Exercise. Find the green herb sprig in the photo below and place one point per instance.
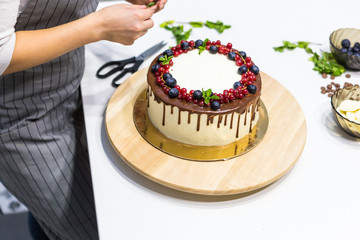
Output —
(207, 96)
(203, 46)
(324, 63)
(166, 59)
(180, 34)
(150, 4)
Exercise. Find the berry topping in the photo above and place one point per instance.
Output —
(236, 85)
(197, 95)
(168, 52)
(166, 75)
(345, 43)
(173, 93)
(198, 43)
(242, 54)
(213, 49)
(251, 88)
(170, 82)
(161, 56)
(254, 69)
(185, 45)
(242, 69)
(155, 68)
(215, 105)
(231, 55)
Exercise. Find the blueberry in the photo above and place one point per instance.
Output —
(255, 69)
(236, 85)
(243, 54)
(173, 93)
(168, 52)
(166, 75)
(213, 49)
(357, 54)
(350, 49)
(197, 95)
(243, 69)
(350, 53)
(215, 105)
(252, 88)
(231, 55)
(345, 43)
(344, 50)
(161, 56)
(356, 49)
(198, 43)
(357, 45)
(154, 68)
(170, 82)
(185, 45)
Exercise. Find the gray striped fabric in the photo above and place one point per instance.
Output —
(43, 150)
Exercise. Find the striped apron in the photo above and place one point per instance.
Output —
(43, 150)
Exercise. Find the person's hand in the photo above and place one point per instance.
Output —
(159, 4)
(124, 23)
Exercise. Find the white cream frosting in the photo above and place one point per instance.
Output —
(196, 72)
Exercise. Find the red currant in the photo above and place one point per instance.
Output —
(176, 54)
(240, 96)
(213, 43)
(178, 47)
(173, 49)
(161, 70)
(208, 42)
(192, 43)
(229, 45)
(162, 84)
(207, 47)
(239, 62)
(167, 66)
(178, 87)
(201, 103)
(171, 63)
(226, 93)
(195, 101)
(183, 90)
(248, 64)
(245, 91)
(231, 97)
(157, 74)
(248, 59)
(218, 42)
(231, 90)
(181, 51)
(191, 92)
(250, 82)
(237, 57)
(188, 98)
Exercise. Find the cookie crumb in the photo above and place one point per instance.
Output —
(324, 75)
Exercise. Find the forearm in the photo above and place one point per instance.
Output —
(33, 48)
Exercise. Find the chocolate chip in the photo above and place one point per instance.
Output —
(347, 75)
(329, 94)
(332, 77)
(324, 75)
(328, 86)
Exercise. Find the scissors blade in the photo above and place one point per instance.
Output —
(151, 51)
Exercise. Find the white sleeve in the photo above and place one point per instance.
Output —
(8, 14)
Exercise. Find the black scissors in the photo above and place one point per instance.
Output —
(120, 65)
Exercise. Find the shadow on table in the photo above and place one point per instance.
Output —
(127, 172)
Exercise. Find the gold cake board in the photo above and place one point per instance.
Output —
(267, 162)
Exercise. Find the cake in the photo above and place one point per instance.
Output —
(204, 93)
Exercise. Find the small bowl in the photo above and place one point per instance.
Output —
(350, 62)
(349, 93)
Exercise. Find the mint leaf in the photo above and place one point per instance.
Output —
(203, 46)
(165, 60)
(196, 24)
(218, 25)
(167, 23)
(151, 4)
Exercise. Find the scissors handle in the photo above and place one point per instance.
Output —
(119, 66)
(126, 71)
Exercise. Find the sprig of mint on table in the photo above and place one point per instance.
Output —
(180, 34)
(207, 96)
(323, 63)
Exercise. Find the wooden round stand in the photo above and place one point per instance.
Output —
(267, 162)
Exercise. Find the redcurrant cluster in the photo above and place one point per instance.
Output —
(243, 87)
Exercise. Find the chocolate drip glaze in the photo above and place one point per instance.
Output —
(238, 126)
(231, 121)
(163, 120)
(219, 121)
(198, 122)
(189, 117)
(179, 117)
(225, 121)
(172, 110)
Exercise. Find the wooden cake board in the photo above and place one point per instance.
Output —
(267, 162)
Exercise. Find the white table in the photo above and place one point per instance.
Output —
(318, 199)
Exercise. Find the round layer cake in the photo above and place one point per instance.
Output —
(204, 93)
